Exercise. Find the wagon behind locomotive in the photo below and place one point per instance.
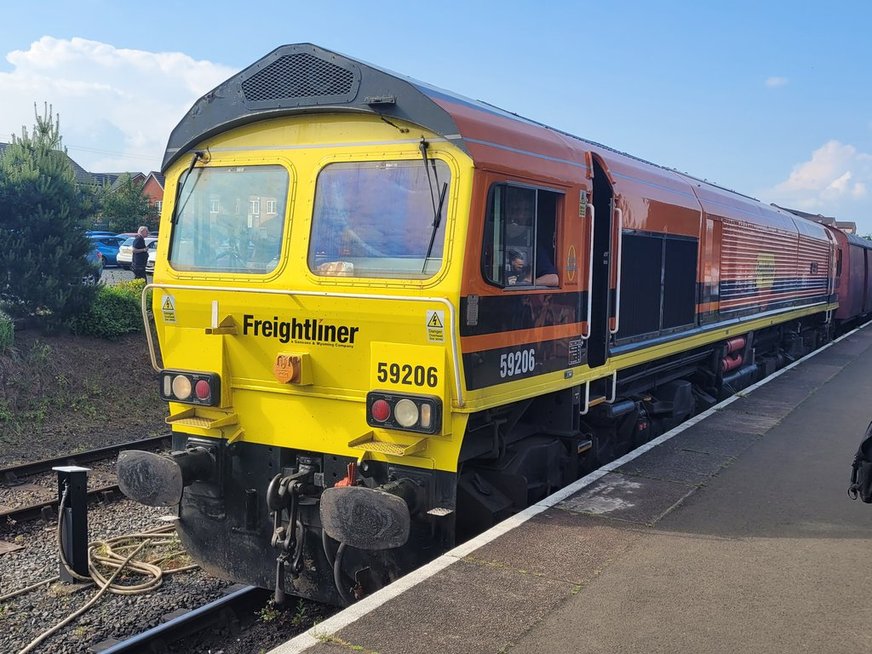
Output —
(853, 277)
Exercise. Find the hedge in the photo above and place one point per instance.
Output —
(116, 311)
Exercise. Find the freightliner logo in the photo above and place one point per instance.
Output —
(310, 330)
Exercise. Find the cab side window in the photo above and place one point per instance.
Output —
(520, 237)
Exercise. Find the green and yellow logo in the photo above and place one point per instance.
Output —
(765, 271)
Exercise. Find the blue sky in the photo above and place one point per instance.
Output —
(773, 99)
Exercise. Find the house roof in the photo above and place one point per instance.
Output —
(158, 177)
(84, 177)
(118, 178)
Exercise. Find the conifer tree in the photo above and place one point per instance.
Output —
(43, 247)
(125, 206)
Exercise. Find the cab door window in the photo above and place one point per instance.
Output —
(520, 237)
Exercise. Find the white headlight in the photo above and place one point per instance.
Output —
(406, 413)
(182, 387)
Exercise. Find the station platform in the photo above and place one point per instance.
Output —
(731, 533)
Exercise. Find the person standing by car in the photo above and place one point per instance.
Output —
(140, 253)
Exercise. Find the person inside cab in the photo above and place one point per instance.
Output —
(521, 236)
(519, 270)
(523, 240)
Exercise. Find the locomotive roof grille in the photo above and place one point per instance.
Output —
(301, 76)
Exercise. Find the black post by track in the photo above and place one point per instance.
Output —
(73, 503)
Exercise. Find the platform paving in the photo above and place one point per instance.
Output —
(735, 535)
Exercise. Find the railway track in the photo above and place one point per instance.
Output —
(230, 612)
(21, 478)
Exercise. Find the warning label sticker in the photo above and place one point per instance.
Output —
(435, 326)
(168, 308)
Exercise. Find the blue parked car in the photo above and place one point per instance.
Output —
(95, 258)
(108, 247)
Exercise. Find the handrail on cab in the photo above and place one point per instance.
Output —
(455, 356)
(586, 335)
(619, 213)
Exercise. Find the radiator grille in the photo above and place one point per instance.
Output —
(298, 76)
(761, 265)
(658, 283)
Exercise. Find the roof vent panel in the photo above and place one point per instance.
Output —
(301, 79)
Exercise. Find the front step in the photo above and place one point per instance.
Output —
(594, 401)
(600, 391)
(208, 421)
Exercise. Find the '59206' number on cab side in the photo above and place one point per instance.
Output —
(408, 374)
(518, 362)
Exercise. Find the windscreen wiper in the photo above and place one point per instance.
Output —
(437, 209)
(437, 220)
(177, 210)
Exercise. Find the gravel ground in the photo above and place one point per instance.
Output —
(114, 616)
(26, 616)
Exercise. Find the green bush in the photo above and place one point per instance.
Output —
(42, 213)
(116, 311)
(7, 333)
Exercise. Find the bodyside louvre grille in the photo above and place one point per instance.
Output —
(300, 77)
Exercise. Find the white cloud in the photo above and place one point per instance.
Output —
(834, 169)
(834, 182)
(117, 106)
(773, 82)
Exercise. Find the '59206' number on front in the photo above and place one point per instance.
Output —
(517, 363)
(405, 373)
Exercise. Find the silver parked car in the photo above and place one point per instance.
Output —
(125, 251)
(152, 255)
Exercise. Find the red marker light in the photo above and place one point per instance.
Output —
(202, 389)
(381, 410)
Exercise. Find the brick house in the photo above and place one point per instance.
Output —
(153, 189)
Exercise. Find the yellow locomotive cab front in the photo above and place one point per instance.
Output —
(304, 308)
(322, 274)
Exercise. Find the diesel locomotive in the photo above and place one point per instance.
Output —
(385, 317)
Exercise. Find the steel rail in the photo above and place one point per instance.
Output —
(11, 473)
(225, 610)
(39, 509)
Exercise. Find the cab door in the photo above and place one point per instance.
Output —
(604, 263)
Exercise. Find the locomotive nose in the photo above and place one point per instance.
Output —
(158, 480)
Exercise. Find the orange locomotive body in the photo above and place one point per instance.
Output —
(645, 255)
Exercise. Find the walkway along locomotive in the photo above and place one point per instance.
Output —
(388, 316)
